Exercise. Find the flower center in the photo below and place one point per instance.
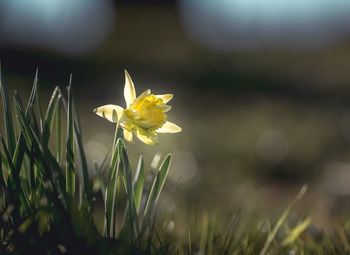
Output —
(147, 111)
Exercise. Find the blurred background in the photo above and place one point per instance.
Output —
(262, 89)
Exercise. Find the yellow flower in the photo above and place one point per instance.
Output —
(144, 116)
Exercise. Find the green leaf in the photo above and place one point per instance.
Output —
(2, 174)
(281, 220)
(13, 179)
(110, 201)
(9, 128)
(139, 181)
(157, 185)
(85, 180)
(58, 128)
(296, 232)
(112, 187)
(25, 127)
(20, 146)
(49, 166)
(37, 104)
(51, 113)
(18, 190)
(70, 173)
(129, 187)
(155, 192)
(118, 134)
(161, 178)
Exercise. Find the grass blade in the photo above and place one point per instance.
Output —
(157, 185)
(51, 113)
(295, 232)
(154, 193)
(70, 173)
(139, 181)
(23, 197)
(2, 176)
(9, 128)
(58, 128)
(128, 184)
(37, 104)
(20, 148)
(117, 134)
(112, 186)
(85, 180)
(49, 166)
(281, 220)
(110, 202)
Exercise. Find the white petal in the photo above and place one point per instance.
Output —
(169, 127)
(145, 93)
(128, 135)
(166, 97)
(106, 111)
(147, 138)
(166, 108)
(129, 89)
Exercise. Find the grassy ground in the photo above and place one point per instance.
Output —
(51, 201)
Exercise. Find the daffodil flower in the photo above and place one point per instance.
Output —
(144, 116)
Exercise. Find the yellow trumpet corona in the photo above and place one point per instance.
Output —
(144, 116)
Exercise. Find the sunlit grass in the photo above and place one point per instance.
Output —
(49, 197)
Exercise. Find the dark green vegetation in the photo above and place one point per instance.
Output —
(49, 198)
(46, 191)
